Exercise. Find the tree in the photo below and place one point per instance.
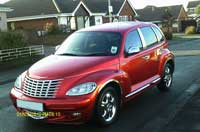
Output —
(167, 22)
(197, 10)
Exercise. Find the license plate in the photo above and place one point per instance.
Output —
(30, 105)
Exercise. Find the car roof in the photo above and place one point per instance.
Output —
(116, 26)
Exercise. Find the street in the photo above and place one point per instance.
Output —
(135, 114)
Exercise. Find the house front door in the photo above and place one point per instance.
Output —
(80, 22)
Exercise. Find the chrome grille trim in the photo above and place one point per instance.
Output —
(40, 88)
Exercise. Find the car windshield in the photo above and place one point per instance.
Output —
(91, 44)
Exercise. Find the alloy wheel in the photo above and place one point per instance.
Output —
(108, 107)
(168, 77)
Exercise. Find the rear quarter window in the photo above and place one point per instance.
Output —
(149, 36)
(159, 34)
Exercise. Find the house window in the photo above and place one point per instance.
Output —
(191, 10)
(175, 25)
(98, 20)
(62, 20)
(123, 18)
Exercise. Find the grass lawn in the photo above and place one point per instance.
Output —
(184, 36)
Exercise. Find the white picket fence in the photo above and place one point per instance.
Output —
(11, 54)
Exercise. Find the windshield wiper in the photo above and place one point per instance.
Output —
(90, 54)
(68, 54)
(96, 54)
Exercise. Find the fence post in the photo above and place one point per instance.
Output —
(18, 54)
(42, 50)
(30, 51)
(1, 56)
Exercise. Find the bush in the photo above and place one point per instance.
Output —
(190, 30)
(167, 32)
(9, 40)
(50, 28)
(168, 35)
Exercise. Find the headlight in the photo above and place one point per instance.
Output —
(18, 82)
(82, 89)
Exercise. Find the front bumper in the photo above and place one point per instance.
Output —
(75, 111)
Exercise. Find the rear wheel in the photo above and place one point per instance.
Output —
(107, 107)
(166, 81)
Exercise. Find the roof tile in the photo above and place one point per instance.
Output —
(153, 13)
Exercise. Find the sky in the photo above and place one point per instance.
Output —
(2, 1)
(142, 3)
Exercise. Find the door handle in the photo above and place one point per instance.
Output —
(146, 57)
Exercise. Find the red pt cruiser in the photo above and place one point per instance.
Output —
(94, 72)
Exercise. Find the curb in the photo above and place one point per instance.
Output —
(180, 40)
(186, 52)
(169, 114)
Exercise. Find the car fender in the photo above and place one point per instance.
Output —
(105, 77)
(164, 59)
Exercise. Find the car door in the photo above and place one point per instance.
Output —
(134, 64)
(150, 51)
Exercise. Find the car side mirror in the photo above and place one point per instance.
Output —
(57, 47)
(133, 50)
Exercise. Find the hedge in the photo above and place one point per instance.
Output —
(9, 40)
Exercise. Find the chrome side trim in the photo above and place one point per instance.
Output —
(138, 90)
(156, 80)
(107, 82)
(142, 88)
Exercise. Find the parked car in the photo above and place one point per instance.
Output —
(94, 72)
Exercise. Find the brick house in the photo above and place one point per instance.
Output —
(3, 17)
(155, 14)
(74, 14)
(191, 8)
(192, 14)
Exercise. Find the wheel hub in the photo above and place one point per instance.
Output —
(168, 77)
(108, 106)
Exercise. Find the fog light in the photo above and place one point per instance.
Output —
(76, 114)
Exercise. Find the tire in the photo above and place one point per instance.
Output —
(107, 107)
(167, 79)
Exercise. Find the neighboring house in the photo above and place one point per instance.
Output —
(3, 17)
(191, 9)
(75, 14)
(155, 14)
(195, 18)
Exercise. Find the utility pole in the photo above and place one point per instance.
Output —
(110, 10)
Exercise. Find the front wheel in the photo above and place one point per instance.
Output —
(166, 81)
(107, 106)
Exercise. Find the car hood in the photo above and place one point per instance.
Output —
(57, 67)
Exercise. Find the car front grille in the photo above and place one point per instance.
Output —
(40, 88)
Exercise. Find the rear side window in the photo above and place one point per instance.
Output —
(149, 36)
(158, 34)
(133, 40)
